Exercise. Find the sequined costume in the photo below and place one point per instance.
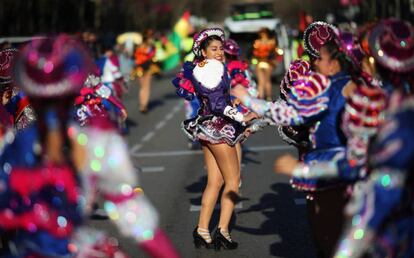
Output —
(217, 121)
(144, 62)
(96, 99)
(298, 135)
(240, 75)
(320, 106)
(107, 167)
(382, 221)
(264, 53)
(39, 202)
(110, 73)
(21, 111)
(381, 212)
(44, 197)
(14, 100)
(363, 114)
(54, 204)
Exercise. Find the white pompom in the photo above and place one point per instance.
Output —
(209, 73)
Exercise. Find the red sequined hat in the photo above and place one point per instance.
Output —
(231, 47)
(52, 67)
(319, 33)
(316, 35)
(204, 34)
(6, 65)
(391, 43)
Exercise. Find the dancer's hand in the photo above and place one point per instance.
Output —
(250, 116)
(248, 132)
(124, 114)
(236, 102)
(285, 164)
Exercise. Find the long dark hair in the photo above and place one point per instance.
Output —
(62, 108)
(336, 54)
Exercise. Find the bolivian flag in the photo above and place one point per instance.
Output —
(173, 47)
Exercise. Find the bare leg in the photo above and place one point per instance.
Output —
(239, 153)
(239, 158)
(140, 94)
(260, 82)
(211, 192)
(226, 158)
(268, 83)
(144, 92)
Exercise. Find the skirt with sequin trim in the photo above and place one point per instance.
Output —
(214, 130)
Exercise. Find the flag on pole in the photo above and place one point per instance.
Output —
(173, 47)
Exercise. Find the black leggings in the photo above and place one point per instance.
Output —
(326, 219)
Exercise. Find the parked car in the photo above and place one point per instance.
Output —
(244, 22)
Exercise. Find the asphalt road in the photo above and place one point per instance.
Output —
(270, 221)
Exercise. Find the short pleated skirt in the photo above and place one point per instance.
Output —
(214, 130)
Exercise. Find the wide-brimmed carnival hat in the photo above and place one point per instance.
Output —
(319, 33)
(6, 65)
(316, 35)
(203, 35)
(52, 67)
(231, 47)
(391, 43)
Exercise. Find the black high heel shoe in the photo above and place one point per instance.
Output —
(200, 241)
(220, 240)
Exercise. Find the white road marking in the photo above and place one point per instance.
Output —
(169, 116)
(300, 201)
(158, 126)
(198, 152)
(148, 136)
(152, 169)
(135, 148)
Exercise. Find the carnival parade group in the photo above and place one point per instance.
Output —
(348, 109)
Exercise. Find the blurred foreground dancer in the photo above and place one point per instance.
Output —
(49, 171)
(381, 214)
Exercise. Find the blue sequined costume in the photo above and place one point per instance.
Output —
(383, 209)
(21, 111)
(322, 110)
(45, 203)
(29, 191)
